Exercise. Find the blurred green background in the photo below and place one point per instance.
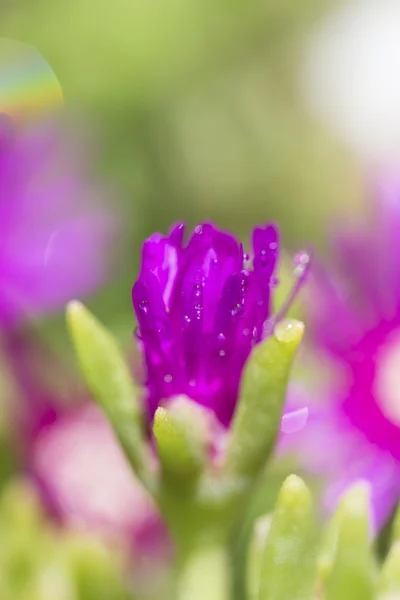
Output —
(197, 113)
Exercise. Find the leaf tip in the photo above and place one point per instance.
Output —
(356, 500)
(294, 492)
(289, 331)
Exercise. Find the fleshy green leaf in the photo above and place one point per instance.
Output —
(205, 575)
(389, 579)
(95, 569)
(395, 533)
(181, 435)
(289, 562)
(256, 555)
(262, 394)
(108, 378)
(353, 572)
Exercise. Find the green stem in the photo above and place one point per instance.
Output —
(205, 575)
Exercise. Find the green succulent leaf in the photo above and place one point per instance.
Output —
(262, 393)
(289, 562)
(389, 578)
(353, 572)
(181, 435)
(256, 554)
(109, 380)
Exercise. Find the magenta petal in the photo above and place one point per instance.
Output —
(214, 312)
(154, 335)
(161, 256)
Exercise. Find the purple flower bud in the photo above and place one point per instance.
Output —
(200, 309)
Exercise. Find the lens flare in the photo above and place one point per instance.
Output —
(28, 85)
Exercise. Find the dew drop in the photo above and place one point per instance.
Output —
(289, 330)
(221, 337)
(263, 252)
(237, 310)
(222, 352)
(144, 306)
(301, 260)
(137, 333)
(215, 261)
(187, 319)
(192, 383)
(246, 331)
(198, 229)
(168, 378)
(274, 281)
(294, 421)
(273, 246)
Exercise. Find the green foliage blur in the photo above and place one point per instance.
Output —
(198, 115)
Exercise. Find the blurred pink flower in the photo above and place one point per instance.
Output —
(87, 482)
(54, 235)
(326, 445)
(355, 323)
(69, 450)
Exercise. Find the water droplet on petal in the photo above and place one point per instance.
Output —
(215, 261)
(246, 331)
(222, 352)
(198, 229)
(168, 378)
(273, 246)
(302, 258)
(274, 281)
(237, 310)
(137, 333)
(144, 306)
(301, 261)
(192, 383)
(221, 337)
(294, 421)
(187, 319)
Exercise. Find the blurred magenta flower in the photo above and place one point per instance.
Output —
(69, 450)
(87, 483)
(201, 308)
(355, 321)
(54, 233)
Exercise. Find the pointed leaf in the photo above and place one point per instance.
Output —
(389, 578)
(289, 563)
(352, 576)
(256, 555)
(262, 394)
(181, 435)
(108, 378)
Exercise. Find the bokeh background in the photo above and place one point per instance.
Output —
(200, 113)
(235, 111)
